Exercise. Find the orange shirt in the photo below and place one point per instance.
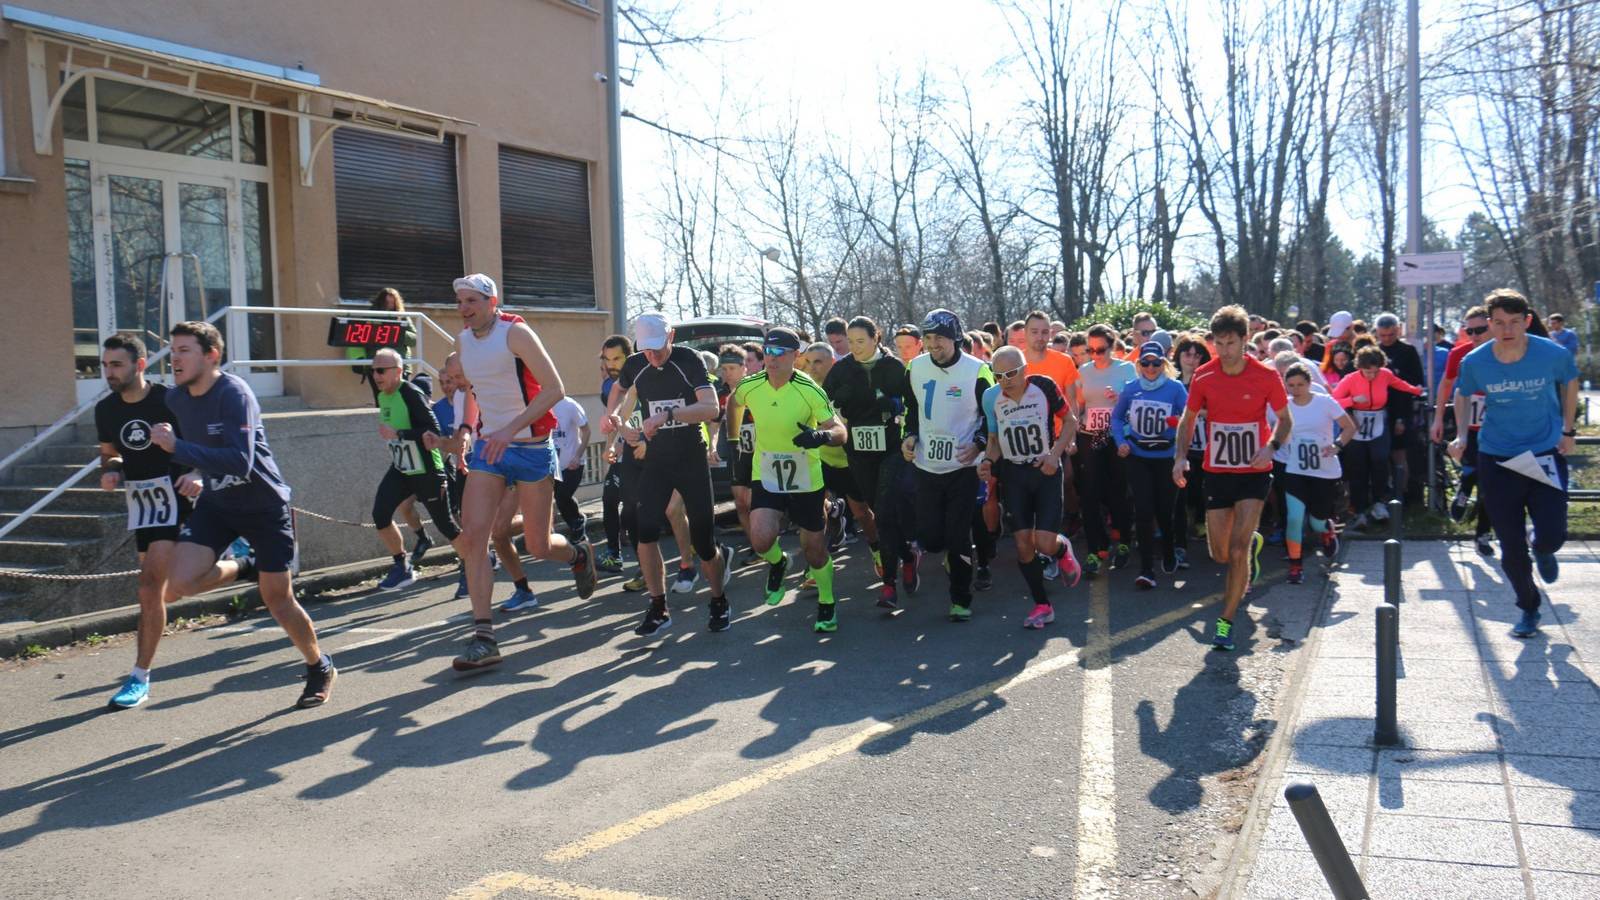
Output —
(1057, 367)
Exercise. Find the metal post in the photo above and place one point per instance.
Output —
(1386, 730)
(1323, 839)
(1431, 491)
(613, 79)
(1397, 518)
(1391, 571)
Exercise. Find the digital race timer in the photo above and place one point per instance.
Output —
(345, 332)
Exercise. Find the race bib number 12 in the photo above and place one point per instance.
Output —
(785, 473)
(152, 503)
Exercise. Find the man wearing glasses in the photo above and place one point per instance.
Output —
(1476, 329)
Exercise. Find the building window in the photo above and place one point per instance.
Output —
(399, 216)
(547, 255)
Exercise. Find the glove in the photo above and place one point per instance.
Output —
(810, 438)
(887, 405)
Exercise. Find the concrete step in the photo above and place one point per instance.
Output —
(56, 523)
(48, 474)
(76, 454)
(80, 499)
(71, 552)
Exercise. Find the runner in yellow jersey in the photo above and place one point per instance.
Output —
(796, 419)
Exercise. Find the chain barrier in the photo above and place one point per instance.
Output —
(307, 512)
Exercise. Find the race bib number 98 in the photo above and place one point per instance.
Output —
(786, 473)
(1307, 457)
(152, 503)
(1231, 446)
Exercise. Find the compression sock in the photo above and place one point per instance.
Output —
(522, 584)
(772, 554)
(877, 553)
(399, 558)
(823, 575)
(1033, 574)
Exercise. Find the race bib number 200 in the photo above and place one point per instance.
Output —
(152, 503)
(1231, 446)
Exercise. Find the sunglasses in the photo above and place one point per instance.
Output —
(1151, 363)
(1145, 332)
(1476, 331)
(1099, 351)
(384, 368)
(775, 351)
(1014, 372)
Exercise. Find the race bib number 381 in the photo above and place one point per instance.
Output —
(152, 503)
(1231, 446)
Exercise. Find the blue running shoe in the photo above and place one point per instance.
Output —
(1528, 625)
(133, 693)
(1549, 567)
(400, 575)
(461, 585)
(520, 600)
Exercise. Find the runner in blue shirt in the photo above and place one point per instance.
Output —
(1144, 425)
(1530, 388)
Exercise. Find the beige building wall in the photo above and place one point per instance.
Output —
(522, 70)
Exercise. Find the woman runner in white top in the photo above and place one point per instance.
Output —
(1311, 465)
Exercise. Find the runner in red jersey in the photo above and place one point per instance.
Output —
(1234, 392)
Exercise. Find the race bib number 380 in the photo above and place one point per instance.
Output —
(1231, 446)
(152, 503)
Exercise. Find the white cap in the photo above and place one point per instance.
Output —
(650, 331)
(1339, 323)
(479, 282)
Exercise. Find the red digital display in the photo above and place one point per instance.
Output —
(365, 333)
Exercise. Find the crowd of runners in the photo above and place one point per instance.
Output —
(927, 439)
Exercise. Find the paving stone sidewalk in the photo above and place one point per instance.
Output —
(1495, 791)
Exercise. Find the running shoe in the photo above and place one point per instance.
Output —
(1180, 556)
(775, 573)
(1549, 567)
(520, 600)
(247, 568)
(636, 583)
(1169, 561)
(400, 575)
(478, 654)
(1485, 545)
(1120, 557)
(1297, 572)
(888, 597)
(827, 618)
(1330, 543)
(319, 686)
(420, 549)
(982, 579)
(1091, 565)
(1052, 569)
(1256, 543)
(747, 559)
(725, 554)
(720, 620)
(655, 620)
(461, 585)
(494, 560)
(1275, 537)
(606, 561)
(685, 582)
(1460, 506)
(959, 613)
(807, 584)
(1359, 523)
(1067, 568)
(1223, 640)
(1043, 614)
(1379, 512)
(133, 693)
(909, 577)
(583, 569)
(1528, 625)
(1146, 581)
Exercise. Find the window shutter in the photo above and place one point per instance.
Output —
(399, 216)
(547, 256)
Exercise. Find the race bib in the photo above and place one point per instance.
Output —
(407, 457)
(747, 437)
(939, 447)
(658, 407)
(1148, 417)
(1369, 424)
(1022, 440)
(1477, 411)
(152, 503)
(1306, 457)
(786, 473)
(1097, 418)
(1230, 446)
(1548, 464)
(1197, 440)
(869, 438)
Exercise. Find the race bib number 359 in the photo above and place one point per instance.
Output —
(1097, 418)
(1231, 446)
(152, 503)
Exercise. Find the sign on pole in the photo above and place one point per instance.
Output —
(1417, 269)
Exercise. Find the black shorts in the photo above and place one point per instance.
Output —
(841, 483)
(1031, 498)
(743, 463)
(804, 508)
(144, 537)
(1224, 489)
(270, 532)
(1316, 493)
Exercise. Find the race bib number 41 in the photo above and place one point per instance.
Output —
(1231, 446)
(786, 473)
(152, 503)
(1369, 424)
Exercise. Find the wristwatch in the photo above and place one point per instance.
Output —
(1573, 433)
(1274, 445)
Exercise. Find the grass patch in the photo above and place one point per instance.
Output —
(33, 651)
(95, 639)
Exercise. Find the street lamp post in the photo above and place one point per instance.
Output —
(770, 253)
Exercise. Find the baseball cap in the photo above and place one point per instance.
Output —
(479, 282)
(1339, 323)
(650, 331)
(1164, 339)
(784, 338)
(1152, 348)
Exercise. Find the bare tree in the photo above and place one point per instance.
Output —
(967, 165)
(1379, 58)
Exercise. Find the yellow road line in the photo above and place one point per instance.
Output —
(672, 812)
(1097, 782)
(494, 885)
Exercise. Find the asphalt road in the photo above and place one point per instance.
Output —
(904, 756)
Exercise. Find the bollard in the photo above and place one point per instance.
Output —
(1323, 838)
(1391, 571)
(1387, 730)
(1396, 519)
